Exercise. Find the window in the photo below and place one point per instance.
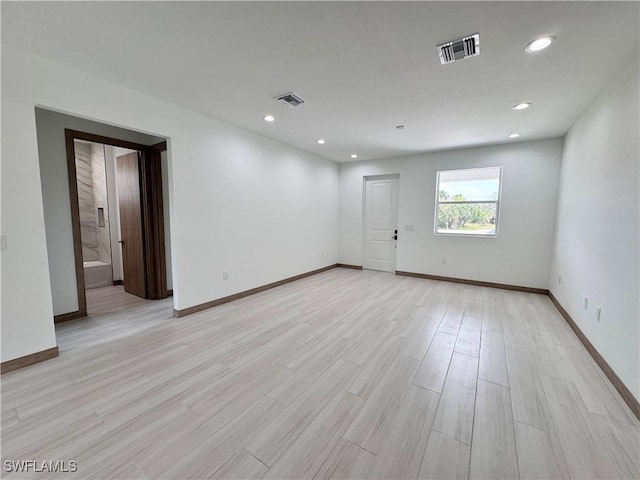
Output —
(468, 201)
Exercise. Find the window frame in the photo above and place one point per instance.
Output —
(497, 203)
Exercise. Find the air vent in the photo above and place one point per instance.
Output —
(290, 99)
(459, 49)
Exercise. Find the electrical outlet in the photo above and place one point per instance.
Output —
(586, 303)
(225, 275)
(598, 310)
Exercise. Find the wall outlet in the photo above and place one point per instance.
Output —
(598, 310)
(225, 275)
(444, 261)
(586, 303)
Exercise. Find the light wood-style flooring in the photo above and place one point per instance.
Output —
(346, 374)
(112, 313)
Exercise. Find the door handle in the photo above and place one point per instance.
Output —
(121, 242)
(395, 237)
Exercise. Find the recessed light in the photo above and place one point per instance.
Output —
(353, 155)
(521, 106)
(539, 44)
(515, 135)
(401, 127)
(269, 118)
(321, 141)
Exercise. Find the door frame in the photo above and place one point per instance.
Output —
(365, 179)
(152, 216)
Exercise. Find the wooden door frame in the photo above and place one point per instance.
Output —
(152, 215)
(153, 221)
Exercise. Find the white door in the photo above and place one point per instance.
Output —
(380, 223)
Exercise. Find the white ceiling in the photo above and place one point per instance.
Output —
(361, 67)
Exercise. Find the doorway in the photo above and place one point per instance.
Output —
(127, 231)
(380, 222)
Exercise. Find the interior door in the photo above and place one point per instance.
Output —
(131, 232)
(381, 223)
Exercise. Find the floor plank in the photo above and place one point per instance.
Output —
(242, 466)
(493, 449)
(347, 460)
(377, 416)
(418, 344)
(313, 447)
(457, 403)
(587, 458)
(528, 398)
(623, 443)
(274, 440)
(434, 367)
(539, 454)
(493, 359)
(468, 341)
(445, 458)
(400, 455)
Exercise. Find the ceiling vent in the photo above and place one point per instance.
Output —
(290, 99)
(459, 49)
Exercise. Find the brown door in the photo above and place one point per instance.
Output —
(131, 234)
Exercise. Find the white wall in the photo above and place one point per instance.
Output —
(519, 255)
(597, 234)
(27, 314)
(242, 203)
(54, 180)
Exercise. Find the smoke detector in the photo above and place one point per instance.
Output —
(290, 99)
(459, 49)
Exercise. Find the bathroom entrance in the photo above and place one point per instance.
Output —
(117, 215)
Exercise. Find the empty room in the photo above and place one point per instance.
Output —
(298, 240)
